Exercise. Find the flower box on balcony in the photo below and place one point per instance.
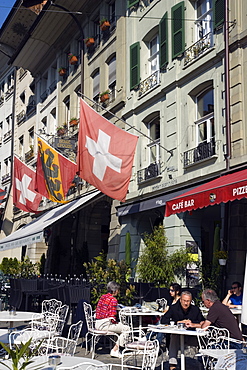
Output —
(72, 59)
(104, 24)
(89, 42)
(73, 122)
(105, 96)
(62, 71)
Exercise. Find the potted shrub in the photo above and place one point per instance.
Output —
(104, 24)
(62, 71)
(222, 257)
(89, 41)
(104, 96)
(73, 121)
(72, 58)
(61, 130)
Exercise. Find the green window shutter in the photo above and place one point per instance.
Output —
(178, 43)
(163, 33)
(219, 13)
(134, 65)
(131, 3)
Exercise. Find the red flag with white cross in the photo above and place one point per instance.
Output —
(105, 154)
(24, 195)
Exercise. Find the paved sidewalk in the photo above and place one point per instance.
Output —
(103, 354)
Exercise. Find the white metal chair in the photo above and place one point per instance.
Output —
(50, 306)
(147, 352)
(94, 333)
(66, 346)
(214, 340)
(36, 336)
(162, 302)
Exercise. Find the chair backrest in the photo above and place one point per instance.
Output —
(62, 313)
(214, 338)
(150, 355)
(37, 343)
(162, 302)
(74, 331)
(50, 305)
(88, 315)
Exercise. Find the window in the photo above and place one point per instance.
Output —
(21, 146)
(205, 117)
(10, 80)
(96, 81)
(204, 18)
(112, 77)
(112, 13)
(31, 136)
(66, 102)
(154, 133)
(154, 54)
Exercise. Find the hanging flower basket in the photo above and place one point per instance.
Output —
(105, 96)
(89, 42)
(222, 261)
(73, 122)
(72, 59)
(104, 25)
(62, 71)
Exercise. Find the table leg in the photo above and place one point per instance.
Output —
(140, 326)
(182, 352)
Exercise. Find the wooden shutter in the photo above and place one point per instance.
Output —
(134, 65)
(219, 13)
(178, 29)
(163, 34)
(130, 3)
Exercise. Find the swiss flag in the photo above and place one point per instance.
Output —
(105, 154)
(24, 195)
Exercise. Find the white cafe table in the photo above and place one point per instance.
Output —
(143, 312)
(235, 359)
(237, 313)
(19, 316)
(169, 329)
(67, 362)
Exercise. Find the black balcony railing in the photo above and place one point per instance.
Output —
(53, 86)
(44, 95)
(198, 48)
(149, 83)
(201, 152)
(150, 172)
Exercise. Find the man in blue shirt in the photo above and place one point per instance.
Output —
(234, 296)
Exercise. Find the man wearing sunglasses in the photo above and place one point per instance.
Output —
(234, 295)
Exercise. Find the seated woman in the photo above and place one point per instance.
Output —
(106, 314)
(175, 293)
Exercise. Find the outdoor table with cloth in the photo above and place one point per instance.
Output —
(168, 329)
(234, 360)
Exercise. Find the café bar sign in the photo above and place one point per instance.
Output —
(65, 144)
(221, 190)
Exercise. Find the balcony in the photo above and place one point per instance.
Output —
(149, 83)
(53, 86)
(201, 152)
(29, 155)
(31, 108)
(198, 48)
(20, 117)
(7, 135)
(6, 177)
(148, 173)
(9, 92)
(44, 95)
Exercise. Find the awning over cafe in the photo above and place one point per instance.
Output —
(223, 189)
(33, 232)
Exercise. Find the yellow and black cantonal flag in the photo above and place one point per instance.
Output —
(54, 173)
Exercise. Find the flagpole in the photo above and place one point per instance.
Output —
(134, 128)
